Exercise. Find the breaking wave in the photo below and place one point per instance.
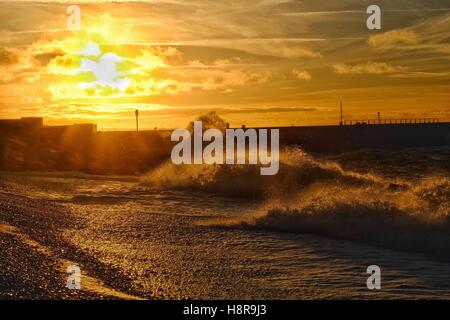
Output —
(319, 197)
(298, 172)
(416, 218)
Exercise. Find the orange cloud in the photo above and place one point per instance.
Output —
(369, 67)
(302, 75)
(393, 38)
(297, 52)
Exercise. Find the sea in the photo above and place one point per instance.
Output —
(226, 232)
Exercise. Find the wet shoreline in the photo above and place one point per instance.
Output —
(155, 244)
(34, 255)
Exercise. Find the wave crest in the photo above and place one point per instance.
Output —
(414, 219)
(298, 171)
(319, 197)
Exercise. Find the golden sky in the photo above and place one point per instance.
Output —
(255, 62)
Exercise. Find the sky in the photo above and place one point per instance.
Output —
(254, 62)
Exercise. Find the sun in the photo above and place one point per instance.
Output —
(92, 66)
(104, 67)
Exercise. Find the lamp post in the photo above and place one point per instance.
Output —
(136, 113)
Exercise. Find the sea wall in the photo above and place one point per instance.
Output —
(82, 148)
(335, 139)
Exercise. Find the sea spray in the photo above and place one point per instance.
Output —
(414, 219)
(228, 147)
(298, 172)
(315, 196)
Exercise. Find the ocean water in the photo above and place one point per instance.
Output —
(310, 232)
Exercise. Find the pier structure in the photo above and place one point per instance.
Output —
(380, 121)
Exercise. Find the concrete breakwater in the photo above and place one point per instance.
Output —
(335, 139)
(26, 144)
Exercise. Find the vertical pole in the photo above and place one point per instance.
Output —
(136, 113)
(340, 123)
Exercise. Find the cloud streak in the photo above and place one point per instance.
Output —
(393, 38)
(369, 67)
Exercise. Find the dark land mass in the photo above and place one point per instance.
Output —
(28, 145)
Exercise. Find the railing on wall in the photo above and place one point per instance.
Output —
(390, 121)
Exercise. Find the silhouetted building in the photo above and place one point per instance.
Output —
(28, 123)
(27, 144)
